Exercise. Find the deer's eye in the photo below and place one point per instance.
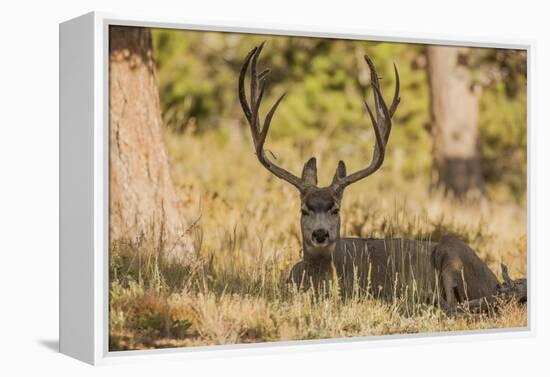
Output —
(335, 211)
(305, 212)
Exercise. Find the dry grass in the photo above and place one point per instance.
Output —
(248, 238)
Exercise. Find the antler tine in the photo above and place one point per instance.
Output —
(254, 122)
(267, 121)
(254, 96)
(251, 111)
(242, 93)
(383, 115)
(379, 148)
(396, 97)
(381, 125)
(375, 83)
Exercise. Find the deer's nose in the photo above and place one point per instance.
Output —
(320, 235)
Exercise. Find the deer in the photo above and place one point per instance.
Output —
(447, 273)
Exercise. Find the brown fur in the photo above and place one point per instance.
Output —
(448, 270)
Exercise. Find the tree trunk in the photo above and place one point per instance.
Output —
(142, 197)
(454, 116)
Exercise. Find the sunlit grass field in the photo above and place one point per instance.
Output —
(245, 227)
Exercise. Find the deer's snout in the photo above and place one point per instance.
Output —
(320, 235)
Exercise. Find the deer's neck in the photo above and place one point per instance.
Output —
(317, 256)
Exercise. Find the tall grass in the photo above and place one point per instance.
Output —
(248, 237)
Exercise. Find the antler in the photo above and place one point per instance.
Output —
(381, 125)
(251, 111)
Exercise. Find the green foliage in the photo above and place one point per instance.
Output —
(326, 81)
(504, 138)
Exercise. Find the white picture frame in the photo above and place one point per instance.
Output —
(84, 152)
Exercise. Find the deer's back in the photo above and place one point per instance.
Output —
(386, 267)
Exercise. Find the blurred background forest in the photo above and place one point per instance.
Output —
(202, 237)
(326, 81)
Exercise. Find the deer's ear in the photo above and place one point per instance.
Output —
(340, 172)
(309, 173)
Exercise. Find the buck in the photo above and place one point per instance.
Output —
(447, 272)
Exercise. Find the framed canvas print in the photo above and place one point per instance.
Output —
(228, 189)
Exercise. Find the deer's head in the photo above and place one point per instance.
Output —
(320, 206)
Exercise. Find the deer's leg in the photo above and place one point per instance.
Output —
(460, 289)
(453, 291)
(297, 275)
(450, 289)
(444, 305)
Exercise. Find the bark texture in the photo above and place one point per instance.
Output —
(454, 121)
(142, 197)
